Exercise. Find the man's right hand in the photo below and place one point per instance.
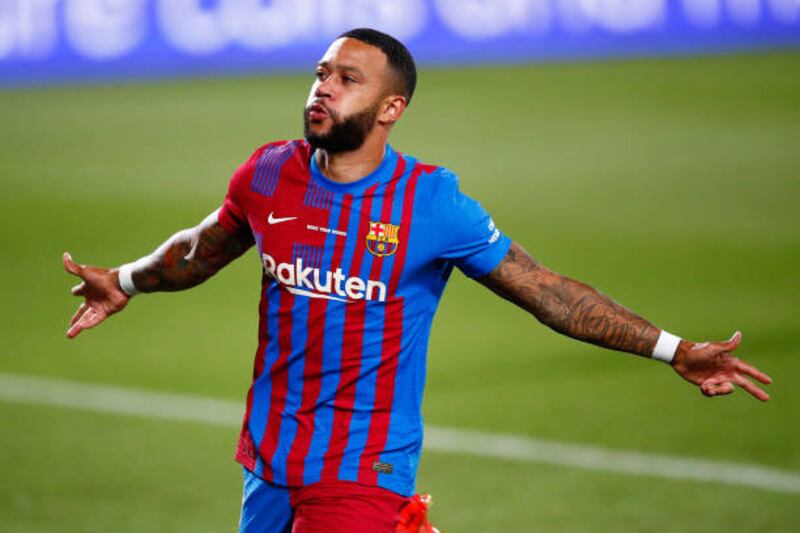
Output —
(102, 296)
(185, 260)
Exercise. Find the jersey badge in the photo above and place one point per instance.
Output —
(382, 238)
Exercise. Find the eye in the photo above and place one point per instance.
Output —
(320, 75)
(349, 79)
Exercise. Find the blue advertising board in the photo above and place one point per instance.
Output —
(45, 41)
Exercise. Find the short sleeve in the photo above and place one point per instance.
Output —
(232, 215)
(472, 241)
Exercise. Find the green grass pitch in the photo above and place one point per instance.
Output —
(672, 185)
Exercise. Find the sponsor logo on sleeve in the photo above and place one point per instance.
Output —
(494, 230)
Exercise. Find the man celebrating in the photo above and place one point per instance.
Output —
(357, 243)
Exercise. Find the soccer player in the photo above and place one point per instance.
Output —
(357, 242)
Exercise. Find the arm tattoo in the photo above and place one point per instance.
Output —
(190, 257)
(569, 306)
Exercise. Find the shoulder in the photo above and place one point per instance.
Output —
(438, 186)
(279, 150)
(268, 156)
(441, 200)
(432, 180)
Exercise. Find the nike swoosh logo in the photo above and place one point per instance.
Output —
(274, 220)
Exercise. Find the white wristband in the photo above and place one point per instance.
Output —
(126, 280)
(666, 347)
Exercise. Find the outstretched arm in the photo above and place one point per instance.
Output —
(189, 257)
(186, 259)
(584, 313)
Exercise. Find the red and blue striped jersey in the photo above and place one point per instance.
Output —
(352, 276)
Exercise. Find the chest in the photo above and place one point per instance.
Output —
(326, 244)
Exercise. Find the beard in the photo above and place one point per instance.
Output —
(346, 134)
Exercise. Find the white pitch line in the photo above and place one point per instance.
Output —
(517, 448)
(187, 408)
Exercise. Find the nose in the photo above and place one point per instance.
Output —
(323, 88)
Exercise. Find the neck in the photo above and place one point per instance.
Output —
(347, 167)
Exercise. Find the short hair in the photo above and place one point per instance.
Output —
(400, 59)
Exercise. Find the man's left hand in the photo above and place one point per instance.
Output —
(712, 367)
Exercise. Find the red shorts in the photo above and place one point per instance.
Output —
(346, 507)
(325, 507)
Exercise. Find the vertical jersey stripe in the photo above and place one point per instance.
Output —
(292, 193)
(279, 373)
(294, 389)
(312, 373)
(350, 368)
(392, 338)
(373, 320)
(331, 347)
(262, 388)
(247, 447)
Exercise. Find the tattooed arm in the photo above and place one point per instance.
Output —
(568, 306)
(190, 257)
(186, 259)
(581, 312)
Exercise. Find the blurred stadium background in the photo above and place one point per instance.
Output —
(650, 148)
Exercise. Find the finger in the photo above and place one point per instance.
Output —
(71, 266)
(750, 387)
(753, 372)
(92, 318)
(731, 343)
(723, 388)
(74, 329)
(89, 319)
(78, 321)
(79, 313)
(709, 386)
(716, 387)
(78, 289)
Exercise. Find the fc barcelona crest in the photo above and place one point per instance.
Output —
(382, 239)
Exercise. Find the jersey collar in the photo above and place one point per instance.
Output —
(384, 172)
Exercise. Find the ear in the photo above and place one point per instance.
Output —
(392, 109)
